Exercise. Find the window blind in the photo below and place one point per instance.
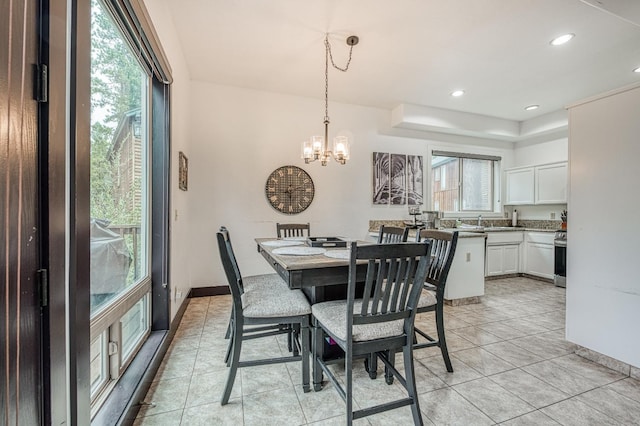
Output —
(463, 155)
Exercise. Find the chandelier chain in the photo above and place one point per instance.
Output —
(328, 45)
(326, 78)
(329, 55)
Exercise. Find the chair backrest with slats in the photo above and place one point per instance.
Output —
(443, 248)
(288, 230)
(392, 234)
(230, 266)
(394, 280)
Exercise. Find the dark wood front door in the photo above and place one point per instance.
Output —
(20, 312)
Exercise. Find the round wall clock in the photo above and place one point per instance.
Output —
(289, 189)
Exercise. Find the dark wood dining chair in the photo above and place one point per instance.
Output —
(380, 322)
(443, 248)
(386, 235)
(268, 308)
(392, 234)
(252, 282)
(288, 230)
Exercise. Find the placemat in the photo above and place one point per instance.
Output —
(282, 243)
(295, 239)
(338, 254)
(299, 251)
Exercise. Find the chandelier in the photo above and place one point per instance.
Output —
(317, 148)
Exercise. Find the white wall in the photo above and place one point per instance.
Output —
(603, 284)
(180, 138)
(528, 154)
(239, 136)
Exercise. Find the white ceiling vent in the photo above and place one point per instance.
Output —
(623, 9)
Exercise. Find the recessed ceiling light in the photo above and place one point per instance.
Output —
(561, 39)
(457, 93)
(531, 107)
(637, 70)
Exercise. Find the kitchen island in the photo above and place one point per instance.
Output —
(465, 283)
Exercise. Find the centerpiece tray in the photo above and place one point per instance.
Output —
(326, 242)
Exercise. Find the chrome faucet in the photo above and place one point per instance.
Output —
(479, 220)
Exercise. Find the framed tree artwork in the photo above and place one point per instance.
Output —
(183, 171)
(397, 179)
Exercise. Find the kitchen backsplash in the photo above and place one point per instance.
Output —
(374, 225)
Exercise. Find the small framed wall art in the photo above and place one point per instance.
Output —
(183, 171)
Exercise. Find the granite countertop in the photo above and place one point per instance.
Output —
(461, 233)
(517, 228)
(490, 225)
(484, 230)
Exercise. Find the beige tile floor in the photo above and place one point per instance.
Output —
(512, 366)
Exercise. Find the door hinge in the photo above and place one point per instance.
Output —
(43, 284)
(41, 86)
(113, 348)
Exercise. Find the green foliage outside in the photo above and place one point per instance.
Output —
(116, 88)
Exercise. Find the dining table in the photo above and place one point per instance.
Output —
(320, 272)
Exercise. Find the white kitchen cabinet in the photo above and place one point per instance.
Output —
(539, 252)
(520, 186)
(503, 260)
(541, 184)
(503, 253)
(551, 183)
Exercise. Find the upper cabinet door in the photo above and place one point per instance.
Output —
(520, 184)
(551, 183)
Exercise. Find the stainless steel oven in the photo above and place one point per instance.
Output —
(560, 258)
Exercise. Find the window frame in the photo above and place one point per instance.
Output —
(152, 287)
(64, 160)
(495, 184)
(107, 319)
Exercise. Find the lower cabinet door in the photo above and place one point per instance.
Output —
(494, 261)
(502, 260)
(539, 260)
(511, 259)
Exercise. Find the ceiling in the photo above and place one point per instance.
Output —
(417, 52)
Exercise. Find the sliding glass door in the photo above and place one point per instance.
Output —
(119, 202)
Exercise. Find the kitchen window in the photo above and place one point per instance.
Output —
(463, 182)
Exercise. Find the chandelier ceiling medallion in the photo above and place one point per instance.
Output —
(317, 148)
